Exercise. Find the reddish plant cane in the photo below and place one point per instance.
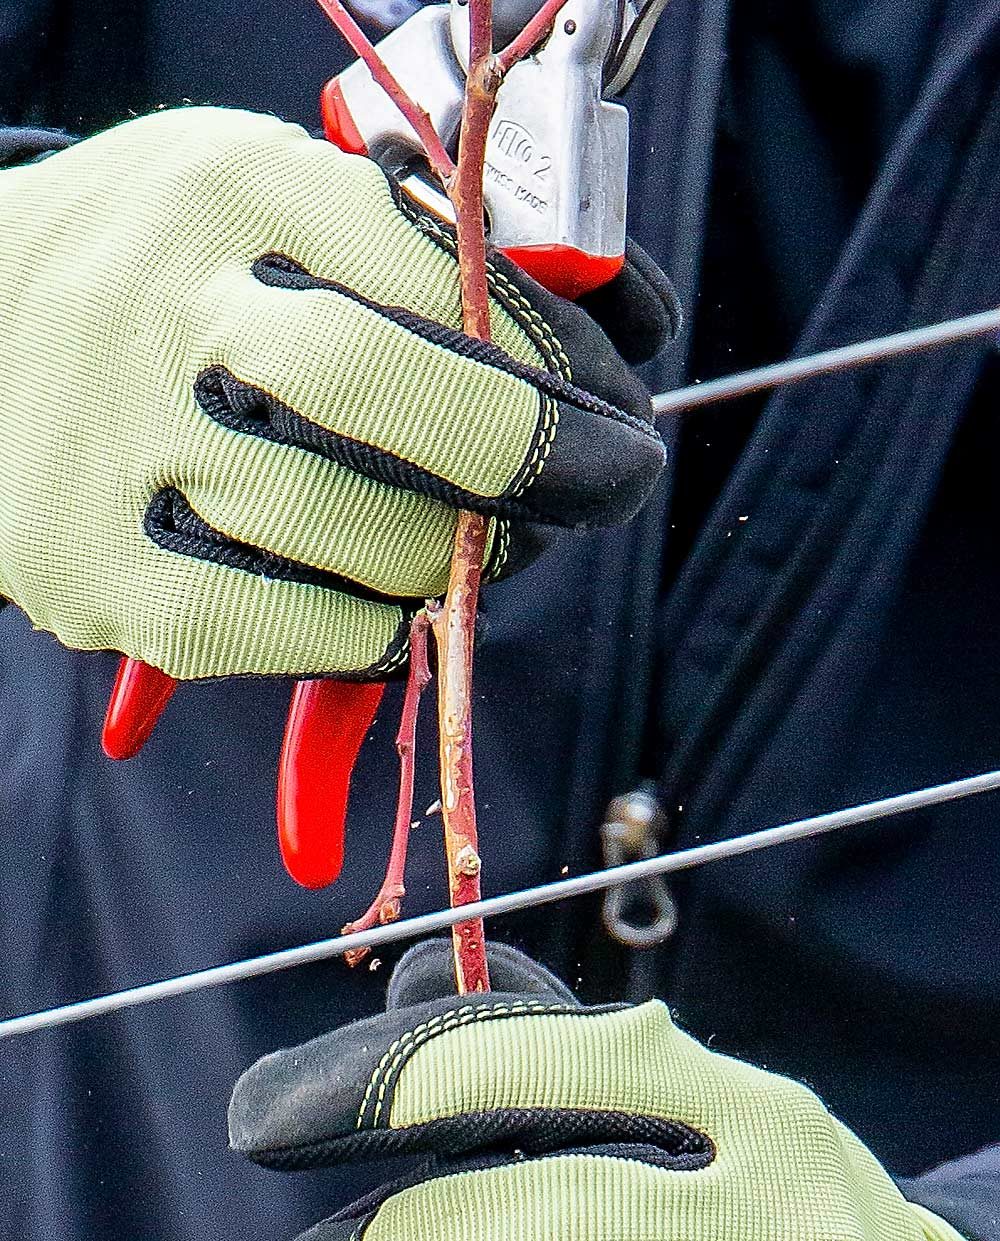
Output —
(453, 623)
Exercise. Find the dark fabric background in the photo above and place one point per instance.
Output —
(810, 174)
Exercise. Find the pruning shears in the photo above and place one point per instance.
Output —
(555, 178)
(555, 189)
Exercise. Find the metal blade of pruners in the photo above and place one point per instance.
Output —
(635, 25)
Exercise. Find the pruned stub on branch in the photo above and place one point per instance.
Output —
(453, 621)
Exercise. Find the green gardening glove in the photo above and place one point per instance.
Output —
(237, 416)
(542, 1120)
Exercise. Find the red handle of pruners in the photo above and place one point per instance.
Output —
(137, 700)
(327, 722)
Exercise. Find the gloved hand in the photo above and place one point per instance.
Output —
(237, 415)
(540, 1118)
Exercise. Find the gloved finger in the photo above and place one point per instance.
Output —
(242, 612)
(309, 511)
(410, 402)
(639, 309)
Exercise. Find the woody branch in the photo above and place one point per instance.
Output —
(454, 622)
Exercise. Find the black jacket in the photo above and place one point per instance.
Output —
(818, 628)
